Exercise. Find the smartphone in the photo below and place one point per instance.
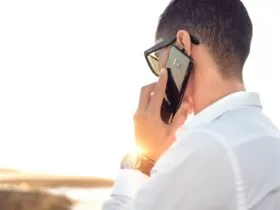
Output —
(179, 67)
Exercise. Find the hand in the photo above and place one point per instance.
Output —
(151, 133)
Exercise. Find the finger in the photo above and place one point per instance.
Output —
(180, 117)
(145, 96)
(159, 93)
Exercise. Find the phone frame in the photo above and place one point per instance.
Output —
(182, 90)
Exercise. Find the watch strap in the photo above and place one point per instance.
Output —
(146, 165)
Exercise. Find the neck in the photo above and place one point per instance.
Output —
(218, 91)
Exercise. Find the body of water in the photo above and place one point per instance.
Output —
(89, 199)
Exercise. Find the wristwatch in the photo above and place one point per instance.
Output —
(138, 162)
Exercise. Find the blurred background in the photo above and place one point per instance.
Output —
(70, 76)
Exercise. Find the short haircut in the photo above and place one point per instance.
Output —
(224, 26)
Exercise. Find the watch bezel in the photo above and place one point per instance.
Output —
(131, 161)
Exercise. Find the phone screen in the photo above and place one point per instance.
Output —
(179, 66)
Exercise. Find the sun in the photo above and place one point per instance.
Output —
(135, 149)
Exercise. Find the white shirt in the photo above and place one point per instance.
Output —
(225, 158)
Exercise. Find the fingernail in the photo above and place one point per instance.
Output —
(163, 71)
(185, 108)
(184, 105)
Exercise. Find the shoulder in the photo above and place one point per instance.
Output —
(192, 147)
(199, 166)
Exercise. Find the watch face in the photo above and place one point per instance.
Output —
(131, 161)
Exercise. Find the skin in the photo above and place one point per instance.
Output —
(205, 86)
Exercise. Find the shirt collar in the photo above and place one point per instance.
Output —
(223, 105)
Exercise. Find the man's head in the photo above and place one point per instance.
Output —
(224, 31)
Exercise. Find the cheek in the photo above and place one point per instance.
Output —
(163, 59)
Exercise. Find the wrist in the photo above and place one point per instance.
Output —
(157, 153)
(152, 156)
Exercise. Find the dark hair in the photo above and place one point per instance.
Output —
(224, 26)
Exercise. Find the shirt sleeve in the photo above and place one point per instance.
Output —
(125, 187)
(195, 173)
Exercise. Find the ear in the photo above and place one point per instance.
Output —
(184, 41)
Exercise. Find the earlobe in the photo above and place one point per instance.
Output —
(184, 41)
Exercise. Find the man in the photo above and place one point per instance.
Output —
(228, 156)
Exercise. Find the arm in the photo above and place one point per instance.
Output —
(126, 186)
(194, 174)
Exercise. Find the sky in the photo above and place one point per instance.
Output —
(71, 73)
